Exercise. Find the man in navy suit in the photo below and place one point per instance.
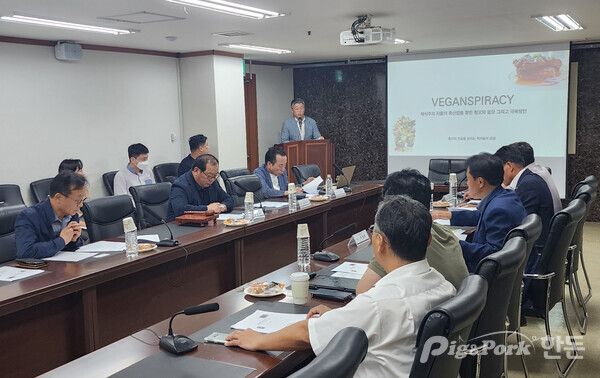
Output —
(53, 224)
(499, 211)
(273, 175)
(298, 127)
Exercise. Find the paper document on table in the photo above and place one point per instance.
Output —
(10, 273)
(465, 208)
(70, 256)
(274, 204)
(352, 276)
(267, 321)
(352, 267)
(224, 217)
(460, 234)
(443, 222)
(474, 202)
(151, 238)
(313, 186)
(102, 246)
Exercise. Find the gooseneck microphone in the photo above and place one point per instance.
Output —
(244, 188)
(330, 256)
(164, 242)
(179, 344)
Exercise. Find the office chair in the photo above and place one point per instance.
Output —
(500, 270)
(451, 320)
(548, 282)
(340, 358)
(40, 189)
(104, 216)
(229, 173)
(151, 203)
(109, 182)
(458, 166)
(251, 182)
(303, 172)
(10, 194)
(8, 215)
(166, 172)
(590, 180)
(439, 171)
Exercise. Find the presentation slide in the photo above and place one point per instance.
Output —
(459, 106)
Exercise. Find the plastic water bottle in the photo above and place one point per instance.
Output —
(431, 200)
(249, 207)
(329, 187)
(292, 202)
(453, 190)
(131, 242)
(303, 237)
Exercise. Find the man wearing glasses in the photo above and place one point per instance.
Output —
(53, 224)
(199, 190)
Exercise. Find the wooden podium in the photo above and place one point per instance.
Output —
(319, 152)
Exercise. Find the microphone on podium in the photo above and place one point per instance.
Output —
(179, 344)
(330, 256)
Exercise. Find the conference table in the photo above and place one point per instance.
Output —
(143, 344)
(75, 308)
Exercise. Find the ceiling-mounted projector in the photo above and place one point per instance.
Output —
(361, 33)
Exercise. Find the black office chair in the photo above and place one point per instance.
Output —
(340, 358)
(151, 203)
(8, 215)
(10, 194)
(229, 173)
(166, 172)
(451, 320)
(303, 172)
(109, 182)
(587, 194)
(251, 182)
(40, 189)
(548, 282)
(500, 270)
(438, 170)
(104, 216)
(459, 167)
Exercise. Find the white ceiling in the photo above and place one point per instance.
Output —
(429, 24)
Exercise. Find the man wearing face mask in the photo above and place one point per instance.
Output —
(137, 172)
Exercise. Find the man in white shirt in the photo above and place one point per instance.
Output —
(137, 172)
(390, 313)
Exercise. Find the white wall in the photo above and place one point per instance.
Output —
(91, 109)
(274, 93)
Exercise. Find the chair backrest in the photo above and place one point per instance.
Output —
(165, 172)
(109, 182)
(530, 229)
(8, 215)
(587, 194)
(590, 180)
(41, 189)
(554, 256)
(104, 216)
(303, 172)
(450, 321)
(229, 173)
(151, 203)
(459, 167)
(10, 194)
(340, 358)
(500, 270)
(440, 169)
(252, 182)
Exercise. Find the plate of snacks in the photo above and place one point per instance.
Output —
(145, 247)
(318, 198)
(235, 222)
(441, 204)
(264, 289)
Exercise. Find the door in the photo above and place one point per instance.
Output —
(251, 121)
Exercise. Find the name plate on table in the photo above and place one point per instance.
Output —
(360, 238)
(259, 213)
(338, 193)
(304, 203)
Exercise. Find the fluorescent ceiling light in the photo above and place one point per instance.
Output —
(229, 8)
(400, 41)
(256, 48)
(60, 24)
(561, 22)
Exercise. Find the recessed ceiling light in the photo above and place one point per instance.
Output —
(229, 8)
(244, 46)
(60, 24)
(561, 22)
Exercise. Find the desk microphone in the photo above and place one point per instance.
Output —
(179, 344)
(171, 242)
(244, 188)
(330, 256)
(340, 172)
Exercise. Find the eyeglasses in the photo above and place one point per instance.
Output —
(211, 177)
(78, 202)
(371, 228)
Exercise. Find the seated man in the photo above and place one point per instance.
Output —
(443, 254)
(273, 175)
(52, 225)
(390, 312)
(136, 172)
(198, 146)
(499, 211)
(199, 190)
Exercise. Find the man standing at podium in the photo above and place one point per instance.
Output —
(298, 127)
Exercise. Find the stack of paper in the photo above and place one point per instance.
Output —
(69, 256)
(10, 273)
(268, 322)
(313, 186)
(106, 246)
(350, 270)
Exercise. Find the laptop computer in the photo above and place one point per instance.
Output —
(346, 178)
